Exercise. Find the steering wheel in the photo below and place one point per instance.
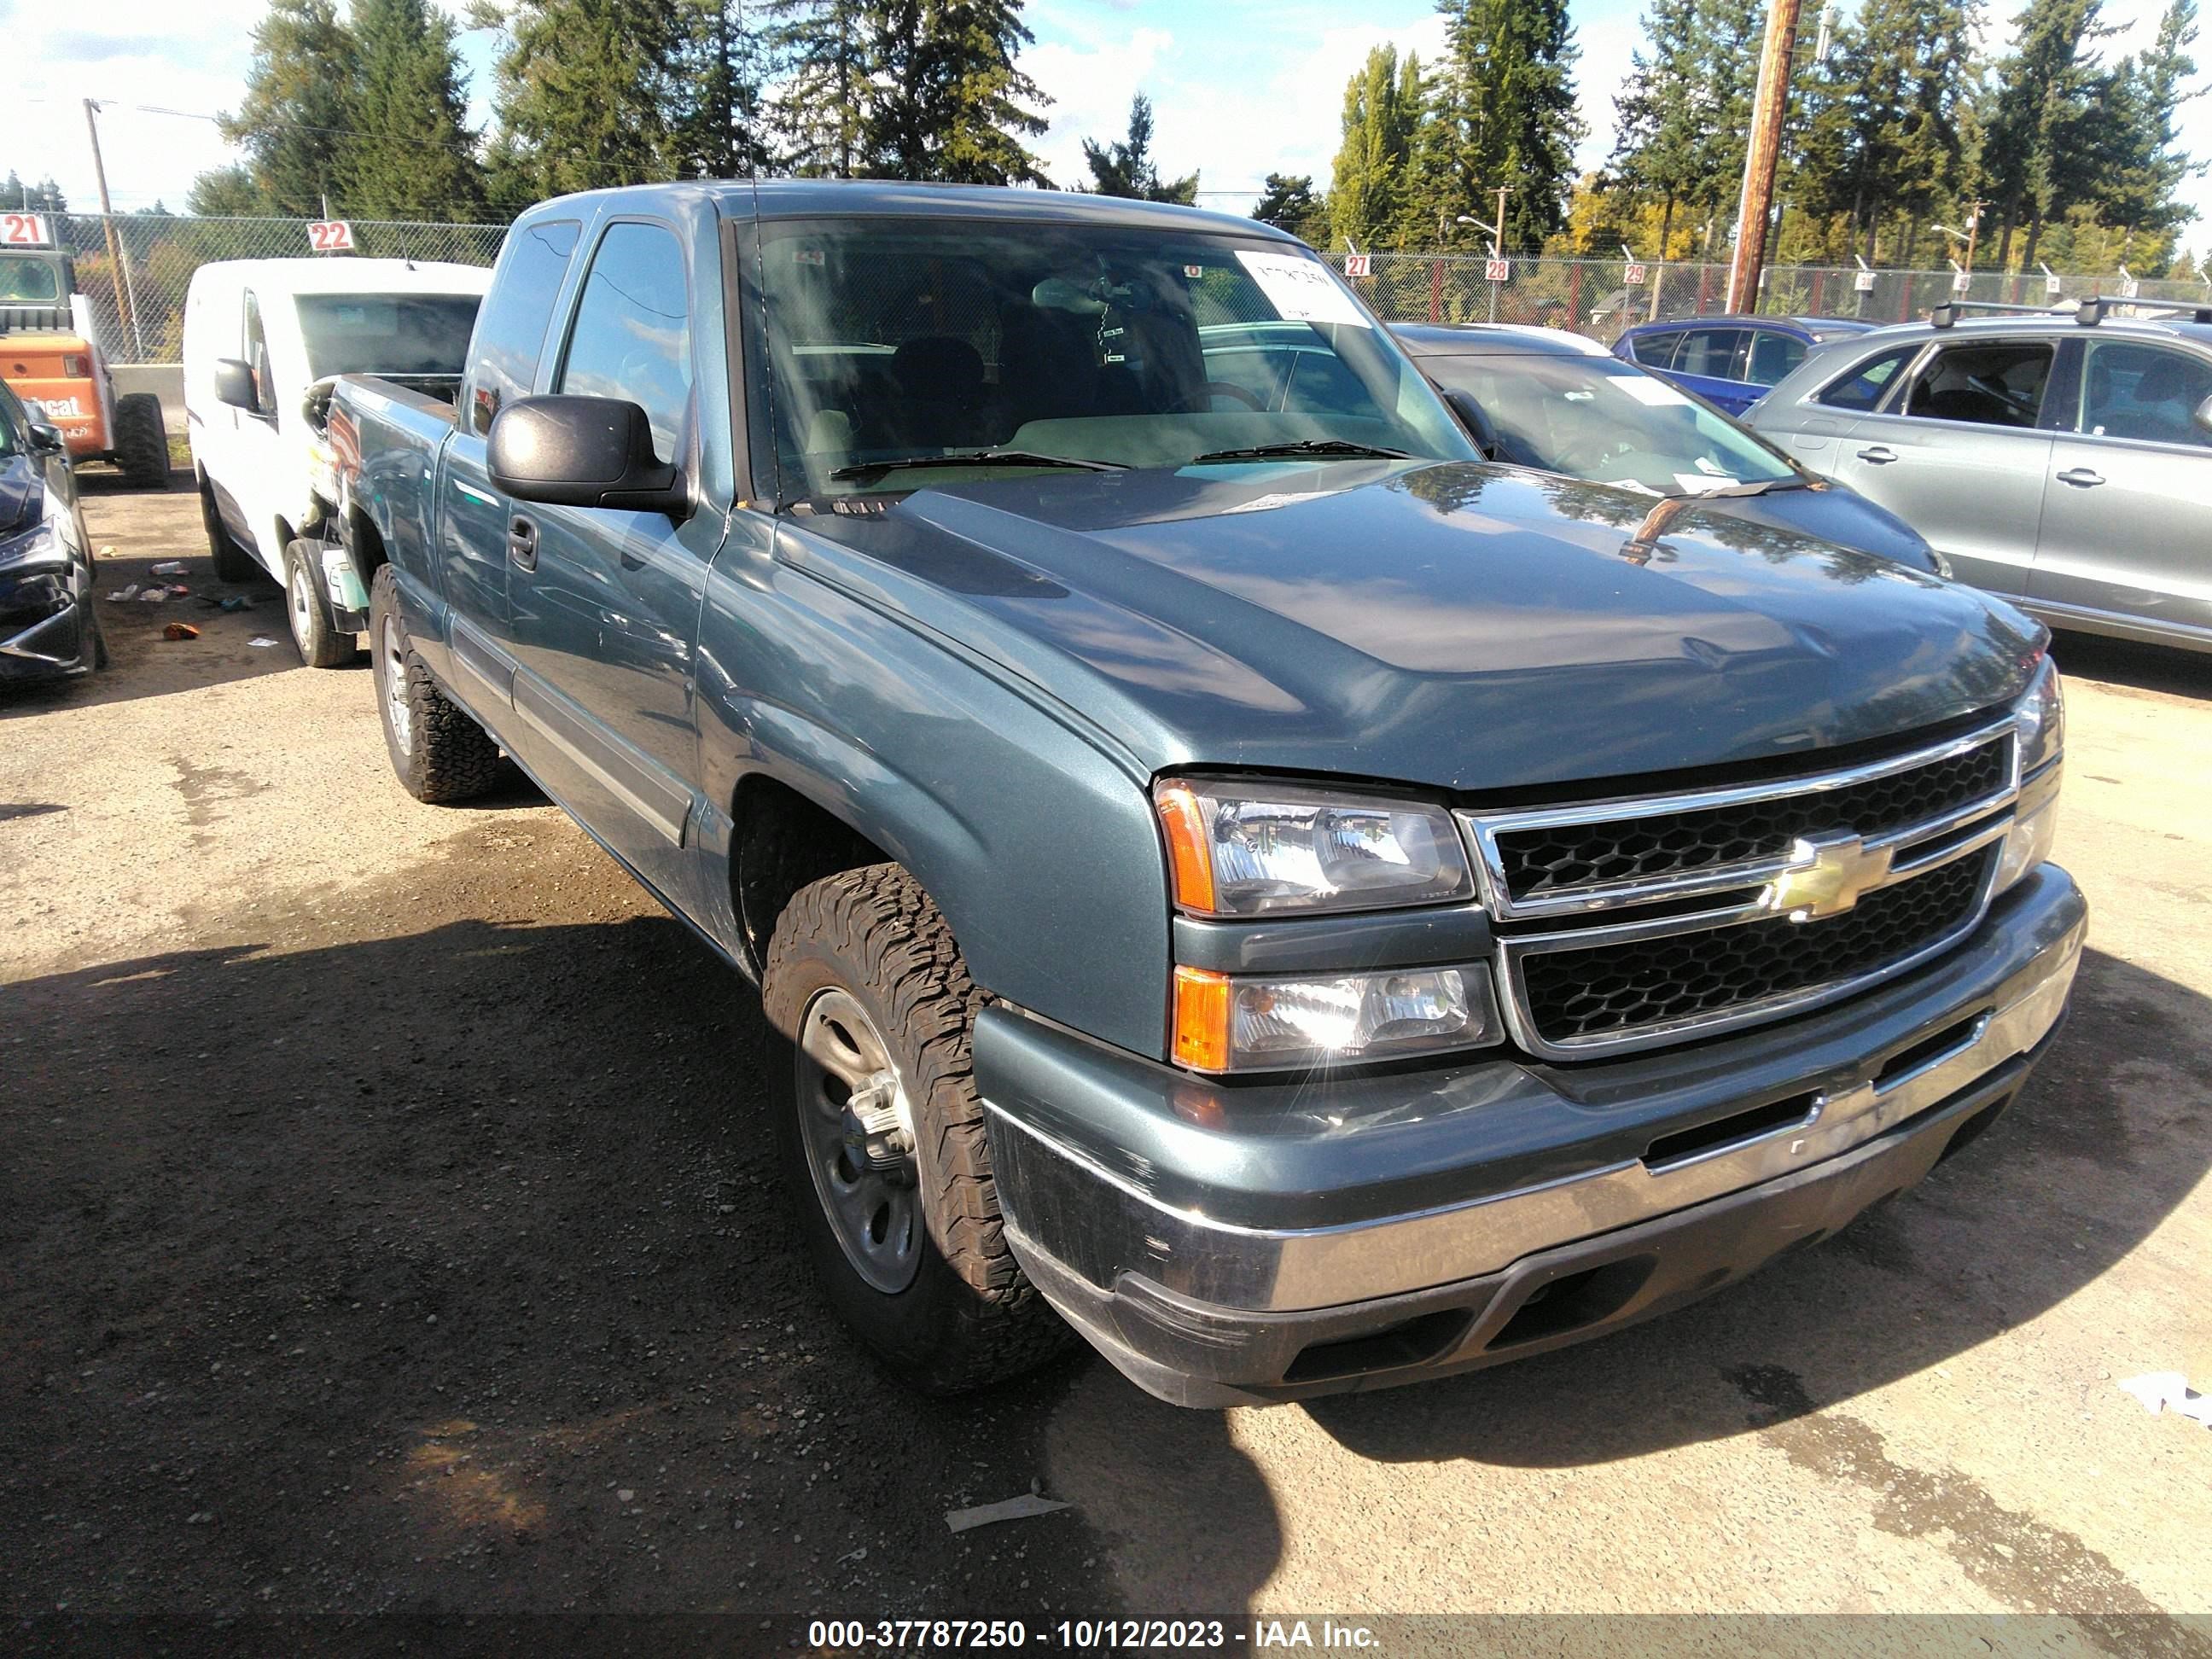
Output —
(1197, 402)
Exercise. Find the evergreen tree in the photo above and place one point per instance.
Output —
(1125, 167)
(2039, 126)
(225, 193)
(2138, 165)
(411, 155)
(24, 196)
(720, 131)
(1368, 186)
(1506, 97)
(821, 117)
(1664, 113)
(586, 96)
(292, 121)
(974, 106)
(1288, 203)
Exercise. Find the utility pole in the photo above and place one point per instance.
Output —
(1761, 154)
(126, 301)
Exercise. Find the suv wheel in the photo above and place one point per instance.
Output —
(439, 752)
(883, 1133)
(308, 610)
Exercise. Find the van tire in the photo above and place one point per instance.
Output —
(142, 444)
(233, 563)
(443, 755)
(308, 609)
(969, 1317)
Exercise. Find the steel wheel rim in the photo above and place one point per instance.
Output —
(391, 668)
(303, 628)
(876, 1215)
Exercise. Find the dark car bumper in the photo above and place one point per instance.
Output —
(46, 628)
(1224, 1246)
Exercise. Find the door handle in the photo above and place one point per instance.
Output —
(1880, 454)
(522, 542)
(2081, 477)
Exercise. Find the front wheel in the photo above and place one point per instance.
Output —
(309, 609)
(883, 1134)
(439, 752)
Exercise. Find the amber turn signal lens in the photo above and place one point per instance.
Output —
(1201, 1019)
(1184, 821)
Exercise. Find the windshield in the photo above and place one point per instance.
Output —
(1605, 421)
(386, 333)
(29, 281)
(896, 340)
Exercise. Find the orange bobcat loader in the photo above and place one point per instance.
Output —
(47, 355)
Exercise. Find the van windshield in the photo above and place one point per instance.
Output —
(890, 344)
(386, 333)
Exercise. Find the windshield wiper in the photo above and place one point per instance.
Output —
(976, 458)
(1343, 447)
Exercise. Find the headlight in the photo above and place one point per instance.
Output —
(1244, 849)
(38, 545)
(2042, 722)
(1224, 1024)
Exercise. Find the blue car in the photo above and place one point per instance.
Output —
(1729, 361)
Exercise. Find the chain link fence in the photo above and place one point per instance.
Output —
(141, 318)
(1602, 297)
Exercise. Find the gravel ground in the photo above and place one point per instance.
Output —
(387, 1224)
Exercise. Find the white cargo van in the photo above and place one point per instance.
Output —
(263, 337)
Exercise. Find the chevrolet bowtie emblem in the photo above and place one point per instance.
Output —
(1827, 875)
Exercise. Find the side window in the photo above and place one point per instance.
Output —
(1863, 388)
(257, 359)
(1772, 356)
(632, 338)
(1657, 351)
(1715, 353)
(1992, 383)
(2145, 393)
(510, 330)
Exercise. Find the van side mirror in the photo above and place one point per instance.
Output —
(47, 439)
(583, 452)
(234, 385)
(1470, 414)
(2203, 416)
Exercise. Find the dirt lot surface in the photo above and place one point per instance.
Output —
(387, 1223)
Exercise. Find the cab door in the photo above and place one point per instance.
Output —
(1959, 452)
(605, 602)
(2126, 535)
(256, 459)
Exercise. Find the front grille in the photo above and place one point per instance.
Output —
(1574, 995)
(1556, 858)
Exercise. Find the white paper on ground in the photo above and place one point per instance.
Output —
(1302, 289)
(1648, 389)
(2159, 1390)
(1006, 1509)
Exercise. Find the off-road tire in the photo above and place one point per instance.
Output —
(970, 1316)
(142, 443)
(447, 757)
(233, 563)
(324, 647)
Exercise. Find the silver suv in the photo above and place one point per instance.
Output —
(2065, 461)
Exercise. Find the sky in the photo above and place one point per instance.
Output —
(1241, 87)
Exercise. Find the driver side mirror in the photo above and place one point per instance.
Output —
(47, 439)
(2203, 417)
(233, 384)
(583, 452)
(1470, 414)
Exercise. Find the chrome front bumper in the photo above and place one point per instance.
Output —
(1274, 1206)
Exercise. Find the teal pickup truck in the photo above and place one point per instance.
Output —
(1235, 876)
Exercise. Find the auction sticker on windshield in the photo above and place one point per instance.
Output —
(1302, 289)
(1646, 389)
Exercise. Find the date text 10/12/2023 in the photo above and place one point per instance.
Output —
(1091, 1634)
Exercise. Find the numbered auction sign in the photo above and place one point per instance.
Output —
(1498, 270)
(330, 236)
(2054, 286)
(2130, 288)
(25, 230)
(1961, 282)
(1633, 276)
(1862, 283)
(1358, 264)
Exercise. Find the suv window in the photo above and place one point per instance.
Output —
(1715, 353)
(1992, 383)
(1772, 356)
(511, 328)
(1863, 386)
(632, 336)
(1657, 350)
(2145, 392)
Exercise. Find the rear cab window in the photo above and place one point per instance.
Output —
(1983, 383)
(510, 331)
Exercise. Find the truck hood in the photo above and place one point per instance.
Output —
(1464, 627)
(22, 494)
